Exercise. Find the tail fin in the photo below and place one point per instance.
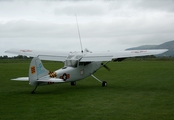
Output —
(36, 71)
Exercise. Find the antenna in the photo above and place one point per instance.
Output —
(79, 34)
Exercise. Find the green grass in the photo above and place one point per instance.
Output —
(140, 90)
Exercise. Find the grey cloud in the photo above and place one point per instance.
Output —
(161, 5)
(118, 27)
(32, 29)
(129, 8)
(88, 9)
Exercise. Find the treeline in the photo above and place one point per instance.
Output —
(151, 58)
(15, 57)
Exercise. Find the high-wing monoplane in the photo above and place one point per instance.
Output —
(77, 65)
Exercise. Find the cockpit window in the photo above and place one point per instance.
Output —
(72, 60)
(71, 63)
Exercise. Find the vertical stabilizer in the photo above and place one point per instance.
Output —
(36, 71)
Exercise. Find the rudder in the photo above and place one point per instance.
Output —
(36, 71)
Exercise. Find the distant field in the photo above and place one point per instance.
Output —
(137, 90)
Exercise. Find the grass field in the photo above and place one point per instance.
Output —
(137, 90)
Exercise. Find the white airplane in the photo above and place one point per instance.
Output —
(77, 65)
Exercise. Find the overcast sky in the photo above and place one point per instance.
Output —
(104, 25)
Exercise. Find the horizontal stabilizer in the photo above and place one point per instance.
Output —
(21, 79)
(56, 80)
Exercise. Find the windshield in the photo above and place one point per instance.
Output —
(71, 63)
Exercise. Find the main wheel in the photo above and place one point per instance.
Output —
(73, 83)
(104, 83)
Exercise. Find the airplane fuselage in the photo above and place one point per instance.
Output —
(82, 70)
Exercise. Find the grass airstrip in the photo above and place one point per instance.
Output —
(137, 90)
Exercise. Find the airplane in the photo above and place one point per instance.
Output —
(77, 65)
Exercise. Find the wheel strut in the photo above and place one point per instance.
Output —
(33, 91)
(104, 83)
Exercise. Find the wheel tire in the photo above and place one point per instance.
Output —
(73, 83)
(104, 83)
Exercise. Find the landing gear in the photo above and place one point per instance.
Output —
(104, 83)
(32, 92)
(73, 83)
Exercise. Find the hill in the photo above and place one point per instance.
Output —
(167, 45)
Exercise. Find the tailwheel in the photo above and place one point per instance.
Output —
(104, 83)
(73, 83)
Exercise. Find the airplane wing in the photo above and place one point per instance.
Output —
(42, 55)
(108, 56)
(88, 57)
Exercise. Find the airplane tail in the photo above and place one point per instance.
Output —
(36, 71)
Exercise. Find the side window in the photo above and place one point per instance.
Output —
(84, 63)
(81, 63)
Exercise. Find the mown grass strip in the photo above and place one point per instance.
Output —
(136, 90)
